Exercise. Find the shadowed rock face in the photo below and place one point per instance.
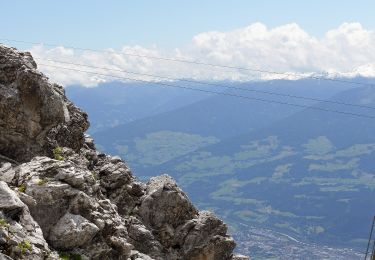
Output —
(83, 202)
(35, 116)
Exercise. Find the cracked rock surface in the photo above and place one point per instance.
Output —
(60, 198)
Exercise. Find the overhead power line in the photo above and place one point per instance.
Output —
(214, 92)
(213, 84)
(191, 62)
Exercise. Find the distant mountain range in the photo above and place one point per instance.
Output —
(117, 103)
(295, 170)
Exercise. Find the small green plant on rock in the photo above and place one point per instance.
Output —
(41, 181)
(25, 246)
(69, 256)
(5, 225)
(94, 176)
(57, 154)
(64, 256)
(3, 222)
(22, 188)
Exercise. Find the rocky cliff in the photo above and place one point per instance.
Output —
(62, 199)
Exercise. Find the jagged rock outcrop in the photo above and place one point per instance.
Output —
(58, 195)
(20, 235)
(35, 115)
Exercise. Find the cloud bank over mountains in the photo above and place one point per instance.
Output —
(347, 51)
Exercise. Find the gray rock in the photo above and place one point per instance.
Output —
(57, 190)
(10, 204)
(240, 257)
(143, 239)
(114, 173)
(135, 255)
(35, 115)
(52, 202)
(6, 172)
(72, 231)
(89, 142)
(165, 204)
(4, 257)
(19, 233)
(204, 237)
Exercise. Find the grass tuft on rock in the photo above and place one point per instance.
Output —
(57, 154)
(69, 256)
(25, 246)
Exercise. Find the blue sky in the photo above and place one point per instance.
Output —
(294, 36)
(102, 24)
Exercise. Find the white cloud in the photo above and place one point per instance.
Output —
(348, 50)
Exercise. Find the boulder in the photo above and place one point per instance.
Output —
(72, 231)
(165, 205)
(204, 237)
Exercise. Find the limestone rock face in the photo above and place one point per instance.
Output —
(58, 195)
(20, 236)
(35, 116)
